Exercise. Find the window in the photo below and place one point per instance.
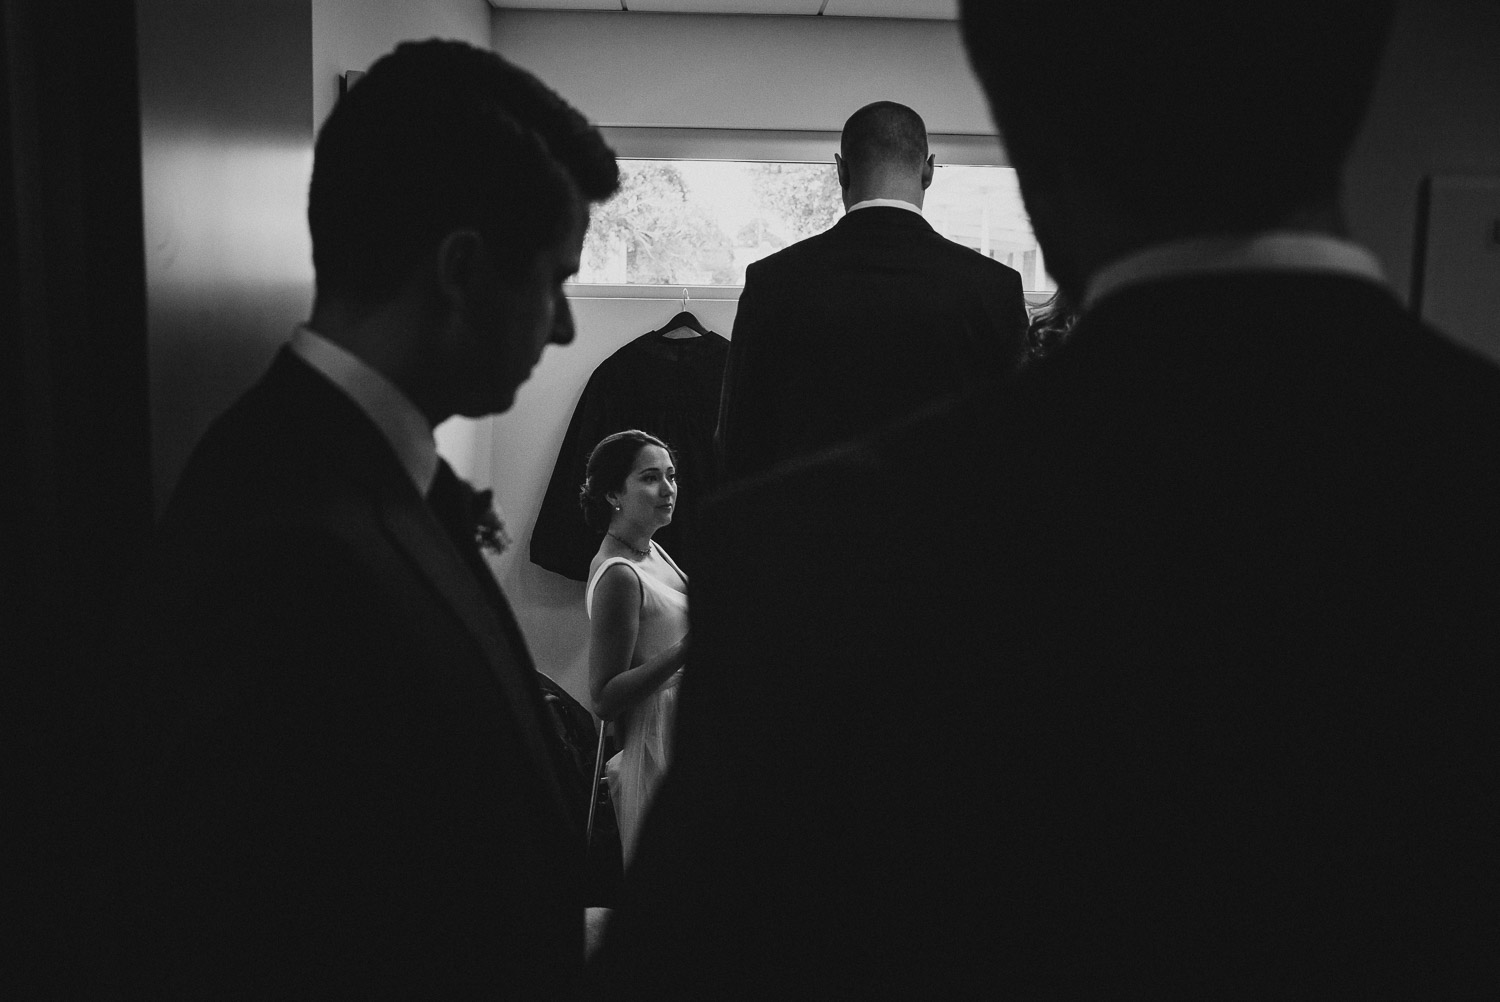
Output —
(700, 222)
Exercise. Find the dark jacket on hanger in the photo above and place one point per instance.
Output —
(666, 386)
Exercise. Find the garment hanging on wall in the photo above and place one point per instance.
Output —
(663, 383)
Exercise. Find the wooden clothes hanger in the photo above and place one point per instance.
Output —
(683, 325)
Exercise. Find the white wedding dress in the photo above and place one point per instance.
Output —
(645, 730)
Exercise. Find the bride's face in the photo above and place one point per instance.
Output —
(649, 495)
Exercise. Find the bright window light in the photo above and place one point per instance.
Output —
(700, 222)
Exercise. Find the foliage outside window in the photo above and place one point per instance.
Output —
(701, 222)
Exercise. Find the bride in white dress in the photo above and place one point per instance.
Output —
(638, 623)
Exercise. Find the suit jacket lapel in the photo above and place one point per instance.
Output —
(414, 528)
(350, 443)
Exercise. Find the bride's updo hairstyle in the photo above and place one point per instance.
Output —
(609, 464)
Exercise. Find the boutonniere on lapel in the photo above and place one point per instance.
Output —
(489, 527)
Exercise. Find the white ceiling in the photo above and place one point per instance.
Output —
(942, 10)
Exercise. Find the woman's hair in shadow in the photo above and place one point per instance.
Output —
(1050, 326)
(608, 466)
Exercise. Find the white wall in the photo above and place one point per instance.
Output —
(352, 34)
(231, 94)
(743, 72)
(226, 146)
(1436, 110)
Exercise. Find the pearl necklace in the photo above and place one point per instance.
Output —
(643, 554)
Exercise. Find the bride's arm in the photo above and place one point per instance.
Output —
(615, 686)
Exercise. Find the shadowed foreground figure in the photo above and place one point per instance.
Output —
(341, 782)
(1169, 672)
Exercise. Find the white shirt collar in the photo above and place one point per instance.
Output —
(1268, 251)
(894, 203)
(397, 417)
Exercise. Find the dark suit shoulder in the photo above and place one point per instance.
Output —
(291, 438)
(853, 505)
(887, 233)
(815, 480)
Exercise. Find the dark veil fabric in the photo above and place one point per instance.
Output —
(666, 386)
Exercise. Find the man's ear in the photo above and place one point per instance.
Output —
(843, 169)
(461, 266)
(927, 168)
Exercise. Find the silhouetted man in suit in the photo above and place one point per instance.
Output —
(858, 325)
(1167, 672)
(341, 782)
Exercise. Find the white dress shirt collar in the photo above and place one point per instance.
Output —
(1268, 251)
(398, 419)
(893, 203)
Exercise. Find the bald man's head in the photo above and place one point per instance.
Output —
(883, 152)
(884, 134)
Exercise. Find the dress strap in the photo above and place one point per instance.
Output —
(588, 596)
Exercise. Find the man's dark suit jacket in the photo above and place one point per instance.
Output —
(847, 330)
(339, 784)
(1171, 673)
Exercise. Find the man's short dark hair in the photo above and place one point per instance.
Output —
(438, 136)
(1227, 114)
(883, 133)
